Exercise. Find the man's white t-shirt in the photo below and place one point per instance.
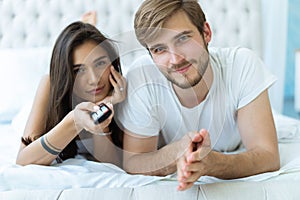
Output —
(153, 109)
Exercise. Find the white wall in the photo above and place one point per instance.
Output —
(297, 81)
(274, 15)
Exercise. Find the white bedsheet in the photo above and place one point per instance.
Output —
(9, 144)
(80, 173)
(73, 173)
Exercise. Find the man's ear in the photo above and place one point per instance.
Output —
(207, 34)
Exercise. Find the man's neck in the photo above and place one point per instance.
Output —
(193, 96)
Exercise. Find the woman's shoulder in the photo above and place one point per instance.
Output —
(45, 79)
(44, 84)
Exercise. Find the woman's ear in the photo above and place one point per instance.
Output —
(207, 34)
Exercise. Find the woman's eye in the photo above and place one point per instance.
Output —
(101, 63)
(79, 70)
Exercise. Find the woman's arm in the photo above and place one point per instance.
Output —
(59, 137)
(105, 150)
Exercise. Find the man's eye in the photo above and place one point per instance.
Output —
(183, 38)
(158, 50)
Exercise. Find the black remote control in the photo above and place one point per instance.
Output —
(102, 114)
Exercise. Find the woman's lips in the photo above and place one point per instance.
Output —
(96, 91)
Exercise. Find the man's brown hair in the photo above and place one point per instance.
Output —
(152, 14)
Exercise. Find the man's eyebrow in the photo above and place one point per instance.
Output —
(174, 38)
(181, 34)
(155, 46)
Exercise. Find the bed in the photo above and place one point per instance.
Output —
(28, 29)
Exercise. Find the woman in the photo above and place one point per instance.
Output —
(84, 72)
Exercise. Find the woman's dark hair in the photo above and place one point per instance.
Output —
(62, 76)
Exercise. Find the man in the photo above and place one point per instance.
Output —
(183, 113)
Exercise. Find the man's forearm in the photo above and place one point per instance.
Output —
(158, 163)
(244, 164)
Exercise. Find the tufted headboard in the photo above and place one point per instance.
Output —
(235, 22)
(31, 24)
(34, 23)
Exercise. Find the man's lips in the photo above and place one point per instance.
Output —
(183, 69)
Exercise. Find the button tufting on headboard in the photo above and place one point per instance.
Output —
(234, 22)
(29, 23)
(37, 23)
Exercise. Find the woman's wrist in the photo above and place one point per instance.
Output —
(71, 121)
(104, 132)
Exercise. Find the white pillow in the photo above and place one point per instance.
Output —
(288, 129)
(21, 71)
(19, 121)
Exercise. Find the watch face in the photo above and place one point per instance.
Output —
(103, 113)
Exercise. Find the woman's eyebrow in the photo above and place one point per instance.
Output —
(100, 58)
(78, 65)
(95, 61)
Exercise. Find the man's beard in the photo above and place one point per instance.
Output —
(201, 68)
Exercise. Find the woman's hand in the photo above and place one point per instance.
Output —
(120, 87)
(83, 120)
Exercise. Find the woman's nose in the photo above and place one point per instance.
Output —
(93, 77)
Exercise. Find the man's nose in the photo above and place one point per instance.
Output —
(175, 57)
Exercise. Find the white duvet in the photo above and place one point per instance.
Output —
(80, 173)
(73, 173)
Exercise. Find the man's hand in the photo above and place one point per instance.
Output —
(195, 162)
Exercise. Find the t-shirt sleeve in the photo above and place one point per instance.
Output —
(249, 76)
(137, 113)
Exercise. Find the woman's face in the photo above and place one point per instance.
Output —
(91, 66)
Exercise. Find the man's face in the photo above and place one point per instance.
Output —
(180, 51)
